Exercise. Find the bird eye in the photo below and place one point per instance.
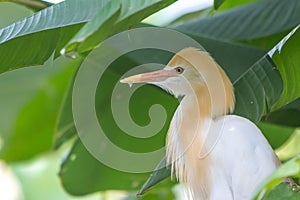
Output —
(179, 70)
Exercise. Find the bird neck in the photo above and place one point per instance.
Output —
(198, 103)
(211, 99)
(193, 113)
(189, 141)
(186, 140)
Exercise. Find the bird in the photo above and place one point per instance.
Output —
(217, 155)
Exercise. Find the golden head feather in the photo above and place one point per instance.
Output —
(193, 72)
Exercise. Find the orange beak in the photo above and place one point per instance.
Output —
(150, 77)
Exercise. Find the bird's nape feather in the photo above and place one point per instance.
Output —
(218, 85)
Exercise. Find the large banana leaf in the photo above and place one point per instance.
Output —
(248, 22)
(30, 103)
(19, 12)
(228, 4)
(288, 115)
(114, 17)
(282, 192)
(286, 58)
(49, 30)
(41, 32)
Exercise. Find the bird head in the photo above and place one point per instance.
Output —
(192, 72)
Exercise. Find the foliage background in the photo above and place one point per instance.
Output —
(256, 42)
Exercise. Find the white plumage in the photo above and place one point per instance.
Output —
(239, 161)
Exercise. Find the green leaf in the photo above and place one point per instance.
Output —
(268, 42)
(134, 11)
(28, 122)
(288, 169)
(43, 32)
(258, 90)
(256, 80)
(286, 57)
(94, 175)
(294, 104)
(218, 3)
(158, 195)
(43, 29)
(65, 129)
(95, 30)
(193, 15)
(276, 135)
(12, 58)
(291, 147)
(113, 17)
(10, 13)
(66, 34)
(228, 4)
(251, 21)
(160, 173)
(282, 192)
(235, 59)
(60, 15)
(284, 116)
(35, 5)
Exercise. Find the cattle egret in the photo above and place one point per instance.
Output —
(216, 155)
